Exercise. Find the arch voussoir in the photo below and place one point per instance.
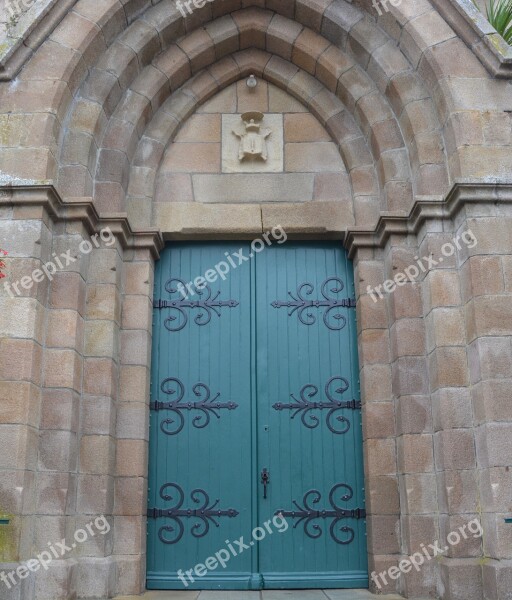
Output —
(181, 105)
(318, 65)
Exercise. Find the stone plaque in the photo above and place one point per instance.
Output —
(252, 143)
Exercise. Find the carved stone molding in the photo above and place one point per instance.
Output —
(425, 208)
(310, 220)
(476, 31)
(19, 40)
(41, 201)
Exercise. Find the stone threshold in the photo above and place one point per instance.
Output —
(263, 595)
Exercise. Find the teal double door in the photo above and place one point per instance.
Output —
(256, 468)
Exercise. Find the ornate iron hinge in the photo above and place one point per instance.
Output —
(353, 404)
(336, 422)
(308, 514)
(212, 405)
(332, 318)
(206, 513)
(206, 304)
(158, 513)
(206, 406)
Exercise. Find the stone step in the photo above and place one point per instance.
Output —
(263, 595)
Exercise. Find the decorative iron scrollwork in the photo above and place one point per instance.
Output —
(305, 406)
(204, 514)
(308, 514)
(206, 305)
(333, 320)
(207, 406)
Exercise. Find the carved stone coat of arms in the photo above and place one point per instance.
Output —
(253, 138)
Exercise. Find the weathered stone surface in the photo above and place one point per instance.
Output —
(180, 219)
(253, 188)
(122, 101)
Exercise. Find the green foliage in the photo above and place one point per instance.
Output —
(8, 552)
(499, 15)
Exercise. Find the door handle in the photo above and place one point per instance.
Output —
(265, 480)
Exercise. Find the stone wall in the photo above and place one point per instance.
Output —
(434, 354)
(74, 391)
(202, 164)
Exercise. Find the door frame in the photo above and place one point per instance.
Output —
(313, 235)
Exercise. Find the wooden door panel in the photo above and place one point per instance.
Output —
(200, 458)
(309, 417)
